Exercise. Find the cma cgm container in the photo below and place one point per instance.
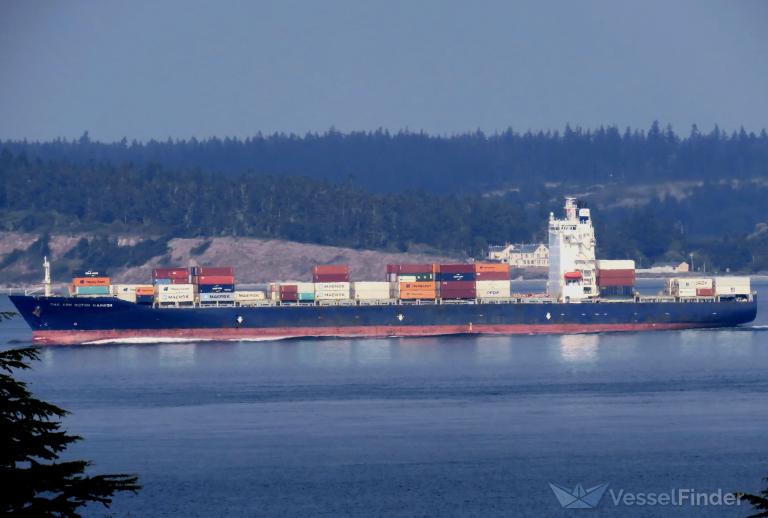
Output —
(332, 290)
(492, 289)
(216, 288)
(370, 290)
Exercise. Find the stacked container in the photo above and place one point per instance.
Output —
(170, 276)
(130, 292)
(492, 280)
(175, 294)
(732, 286)
(215, 284)
(370, 290)
(457, 281)
(616, 278)
(90, 285)
(691, 287)
(413, 281)
(245, 298)
(331, 282)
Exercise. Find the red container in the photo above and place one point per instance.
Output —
(492, 276)
(457, 268)
(331, 269)
(457, 285)
(616, 273)
(215, 270)
(705, 292)
(615, 281)
(180, 281)
(458, 294)
(330, 277)
(215, 279)
(170, 273)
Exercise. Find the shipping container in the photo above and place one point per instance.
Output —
(91, 290)
(456, 276)
(249, 296)
(170, 273)
(725, 286)
(175, 293)
(332, 290)
(696, 282)
(615, 281)
(492, 268)
(617, 291)
(306, 296)
(330, 277)
(91, 272)
(370, 290)
(146, 300)
(216, 288)
(457, 290)
(492, 276)
(330, 269)
(162, 281)
(457, 268)
(492, 289)
(128, 292)
(615, 264)
(412, 268)
(213, 279)
(705, 292)
(90, 281)
(415, 290)
(217, 297)
(226, 271)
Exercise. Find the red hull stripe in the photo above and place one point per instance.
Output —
(160, 335)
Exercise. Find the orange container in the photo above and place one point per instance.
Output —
(417, 294)
(90, 281)
(145, 290)
(491, 268)
(424, 285)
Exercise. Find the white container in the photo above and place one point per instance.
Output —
(685, 292)
(175, 293)
(492, 289)
(306, 287)
(250, 296)
(127, 292)
(407, 278)
(615, 264)
(331, 290)
(732, 286)
(695, 282)
(217, 297)
(369, 290)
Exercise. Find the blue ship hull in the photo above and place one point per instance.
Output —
(63, 320)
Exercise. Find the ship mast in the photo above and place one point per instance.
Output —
(47, 276)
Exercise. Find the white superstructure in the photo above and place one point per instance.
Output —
(572, 255)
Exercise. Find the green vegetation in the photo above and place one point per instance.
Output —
(34, 481)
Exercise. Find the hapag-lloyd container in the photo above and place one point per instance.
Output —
(492, 289)
(217, 297)
(370, 290)
(128, 292)
(492, 268)
(175, 293)
(90, 281)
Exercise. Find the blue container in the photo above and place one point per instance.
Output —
(306, 297)
(92, 290)
(617, 291)
(216, 288)
(91, 272)
(145, 299)
(458, 276)
(162, 281)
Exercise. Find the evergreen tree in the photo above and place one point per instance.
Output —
(34, 481)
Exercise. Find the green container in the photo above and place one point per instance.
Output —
(306, 297)
(92, 290)
(425, 277)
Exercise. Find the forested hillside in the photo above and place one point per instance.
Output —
(474, 162)
(653, 208)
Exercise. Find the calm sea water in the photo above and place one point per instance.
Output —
(451, 426)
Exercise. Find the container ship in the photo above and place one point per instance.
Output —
(584, 295)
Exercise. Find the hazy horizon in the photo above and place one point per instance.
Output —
(191, 69)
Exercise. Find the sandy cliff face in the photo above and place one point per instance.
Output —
(255, 260)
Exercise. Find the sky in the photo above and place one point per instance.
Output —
(183, 68)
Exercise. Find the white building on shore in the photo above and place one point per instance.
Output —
(534, 255)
